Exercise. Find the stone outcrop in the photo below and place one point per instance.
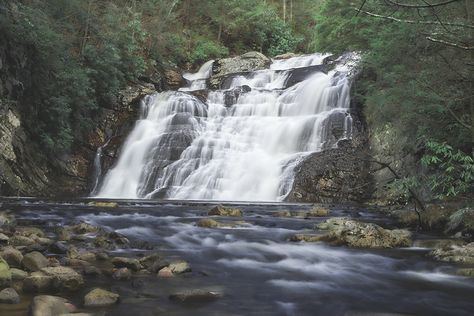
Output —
(250, 61)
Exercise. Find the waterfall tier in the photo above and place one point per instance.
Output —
(243, 142)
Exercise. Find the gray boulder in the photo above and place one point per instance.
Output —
(100, 298)
(47, 305)
(9, 296)
(35, 261)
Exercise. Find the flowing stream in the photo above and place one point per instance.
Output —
(255, 267)
(240, 143)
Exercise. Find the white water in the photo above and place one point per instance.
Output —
(197, 81)
(246, 151)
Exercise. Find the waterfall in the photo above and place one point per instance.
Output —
(243, 143)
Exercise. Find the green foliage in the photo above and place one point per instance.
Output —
(206, 50)
(453, 170)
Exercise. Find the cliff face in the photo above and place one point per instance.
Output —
(25, 168)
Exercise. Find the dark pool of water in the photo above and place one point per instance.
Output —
(256, 268)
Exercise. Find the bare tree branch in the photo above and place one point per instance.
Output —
(414, 21)
(440, 41)
(418, 6)
(361, 7)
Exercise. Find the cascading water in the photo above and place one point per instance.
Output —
(242, 143)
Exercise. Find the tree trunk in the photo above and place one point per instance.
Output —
(284, 11)
(469, 12)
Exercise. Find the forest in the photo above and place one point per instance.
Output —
(416, 85)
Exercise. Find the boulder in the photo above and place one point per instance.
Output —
(4, 239)
(208, 223)
(9, 296)
(165, 273)
(131, 263)
(281, 214)
(7, 220)
(34, 261)
(5, 274)
(100, 298)
(305, 237)
(85, 228)
(250, 61)
(318, 211)
(454, 253)
(195, 296)
(38, 282)
(232, 96)
(345, 231)
(461, 222)
(47, 305)
(18, 275)
(225, 211)
(64, 278)
(12, 256)
(18, 241)
(173, 79)
(122, 274)
(179, 267)
(104, 204)
(286, 56)
(29, 231)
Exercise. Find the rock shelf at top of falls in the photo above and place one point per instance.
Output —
(241, 141)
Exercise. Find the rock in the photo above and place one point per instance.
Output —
(65, 233)
(34, 261)
(18, 275)
(250, 61)
(7, 220)
(281, 214)
(318, 211)
(4, 239)
(461, 222)
(59, 248)
(286, 56)
(455, 254)
(344, 231)
(29, 231)
(91, 270)
(305, 237)
(47, 305)
(87, 256)
(103, 204)
(232, 96)
(158, 265)
(9, 296)
(195, 296)
(208, 223)
(18, 240)
(437, 243)
(122, 262)
(469, 272)
(179, 267)
(64, 278)
(122, 274)
(165, 273)
(85, 228)
(12, 256)
(111, 241)
(174, 80)
(38, 282)
(100, 298)
(148, 261)
(5, 274)
(225, 211)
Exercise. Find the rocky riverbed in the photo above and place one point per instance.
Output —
(125, 257)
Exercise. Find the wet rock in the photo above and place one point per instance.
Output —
(344, 231)
(65, 233)
(12, 256)
(38, 282)
(87, 256)
(174, 80)
(111, 241)
(4, 239)
(318, 212)
(91, 271)
(462, 223)
(59, 248)
(7, 220)
(30, 231)
(5, 274)
(469, 272)
(122, 274)
(281, 214)
(18, 275)
(149, 260)
(34, 261)
(250, 61)
(195, 296)
(103, 204)
(305, 237)
(84, 228)
(225, 211)
(131, 263)
(179, 267)
(455, 254)
(18, 240)
(166, 272)
(47, 305)
(208, 223)
(64, 278)
(232, 96)
(437, 243)
(9, 296)
(100, 298)
(158, 265)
